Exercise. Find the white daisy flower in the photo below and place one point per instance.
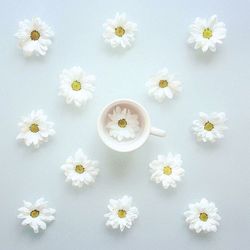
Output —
(209, 127)
(202, 216)
(167, 170)
(121, 213)
(34, 36)
(122, 124)
(35, 129)
(163, 85)
(119, 31)
(36, 215)
(206, 33)
(76, 86)
(80, 170)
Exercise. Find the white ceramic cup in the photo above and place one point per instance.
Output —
(144, 123)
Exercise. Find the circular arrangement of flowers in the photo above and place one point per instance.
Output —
(80, 170)
(202, 216)
(167, 170)
(34, 37)
(119, 32)
(205, 34)
(163, 85)
(210, 127)
(77, 87)
(121, 213)
(36, 215)
(35, 129)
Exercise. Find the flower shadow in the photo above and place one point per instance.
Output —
(170, 192)
(202, 236)
(208, 145)
(34, 59)
(27, 231)
(117, 234)
(202, 57)
(116, 52)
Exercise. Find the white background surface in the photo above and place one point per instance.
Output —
(212, 82)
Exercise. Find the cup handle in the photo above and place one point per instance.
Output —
(157, 132)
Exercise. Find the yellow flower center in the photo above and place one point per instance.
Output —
(163, 83)
(207, 33)
(119, 31)
(208, 126)
(79, 169)
(167, 170)
(76, 86)
(122, 123)
(34, 213)
(122, 213)
(34, 128)
(203, 216)
(34, 35)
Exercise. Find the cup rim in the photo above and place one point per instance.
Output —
(114, 103)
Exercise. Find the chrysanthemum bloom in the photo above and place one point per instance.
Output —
(210, 127)
(36, 215)
(119, 31)
(163, 85)
(205, 34)
(122, 124)
(34, 36)
(35, 129)
(167, 170)
(121, 213)
(76, 86)
(202, 216)
(80, 170)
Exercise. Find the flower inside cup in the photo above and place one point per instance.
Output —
(122, 124)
